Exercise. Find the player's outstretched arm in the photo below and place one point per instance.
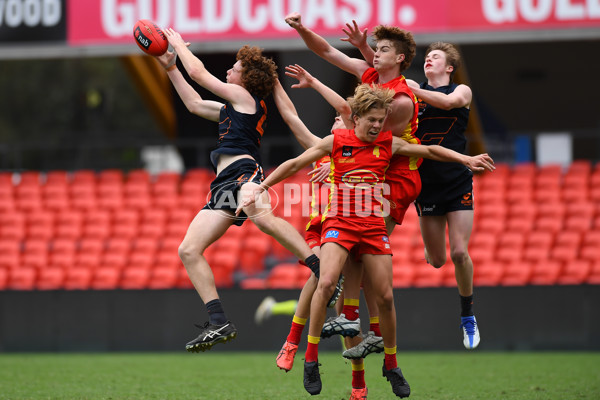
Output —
(306, 80)
(358, 39)
(290, 115)
(193, 101)
(323, 49)
(479, 162)
(195, 68)
(460, 97)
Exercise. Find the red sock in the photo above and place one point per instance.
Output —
(374, 326)
(358, 376)
(390, 361)
(350, 309)
(296, 330)
(312, 349)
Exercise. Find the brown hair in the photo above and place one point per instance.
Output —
(367, 97)
(258, 72)
(452, 54)
(403, 42)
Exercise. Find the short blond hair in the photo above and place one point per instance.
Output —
(367, 97)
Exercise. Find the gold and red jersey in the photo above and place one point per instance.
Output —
(357, 177)
(398, 85)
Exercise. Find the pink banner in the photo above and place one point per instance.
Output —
(111, 21)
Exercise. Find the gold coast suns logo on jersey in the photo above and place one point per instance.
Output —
(360, 178)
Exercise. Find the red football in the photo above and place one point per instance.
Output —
(150, 37)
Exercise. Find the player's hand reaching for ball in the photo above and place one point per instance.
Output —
(175, 38)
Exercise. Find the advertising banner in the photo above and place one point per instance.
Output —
(110, 22)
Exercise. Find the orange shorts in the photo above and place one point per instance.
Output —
(404, 188)
(365, 238)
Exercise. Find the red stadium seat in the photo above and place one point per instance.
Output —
(427, 276)
(138, 175)
(594, 275)
(487, 273)
(403, 274)
(142, 259)
(549, 224)
(512, 240)
(539, 239)
(106, 277)
(78, 278)
(88, 260)
(545, 272)
(516, 273)
(284, 276)
(163, 277)
(50, 278)
(590, 252)
(57, 177)
(84, 177)
(118, 245)
(135, 277)
(111, 175)
(115, 260)
(3, 278)
(91, 245)
(22, 278)
(575, 272)
(564, 253)
(254, 283)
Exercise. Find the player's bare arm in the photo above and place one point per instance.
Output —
(460, 97)
(323, 49)
(306, 80)
(290, 116)
(239, 97)
(195, 104)
(480, 162)
(400, 114)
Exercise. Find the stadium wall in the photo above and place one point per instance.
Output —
(510, 318)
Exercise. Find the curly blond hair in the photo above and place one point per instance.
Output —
(259, 73)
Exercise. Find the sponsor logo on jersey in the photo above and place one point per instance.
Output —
(346, 151)
(386, 239)
(360, 177)
(332, 233)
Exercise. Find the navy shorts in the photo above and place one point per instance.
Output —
(225, 187)
(461, 202)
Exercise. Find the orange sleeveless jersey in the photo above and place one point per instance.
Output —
(357, 174)
(409, 135)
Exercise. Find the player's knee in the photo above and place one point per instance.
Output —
(188, 253)
(459, 257)
(327, 285)
(264, 223)
(437, 261)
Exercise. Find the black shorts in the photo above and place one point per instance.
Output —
(462, 202)
(225, 187)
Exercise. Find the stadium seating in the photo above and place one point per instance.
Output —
(110, 229)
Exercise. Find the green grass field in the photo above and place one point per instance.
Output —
(224, 375)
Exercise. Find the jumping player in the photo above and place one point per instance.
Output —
(360, 157)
